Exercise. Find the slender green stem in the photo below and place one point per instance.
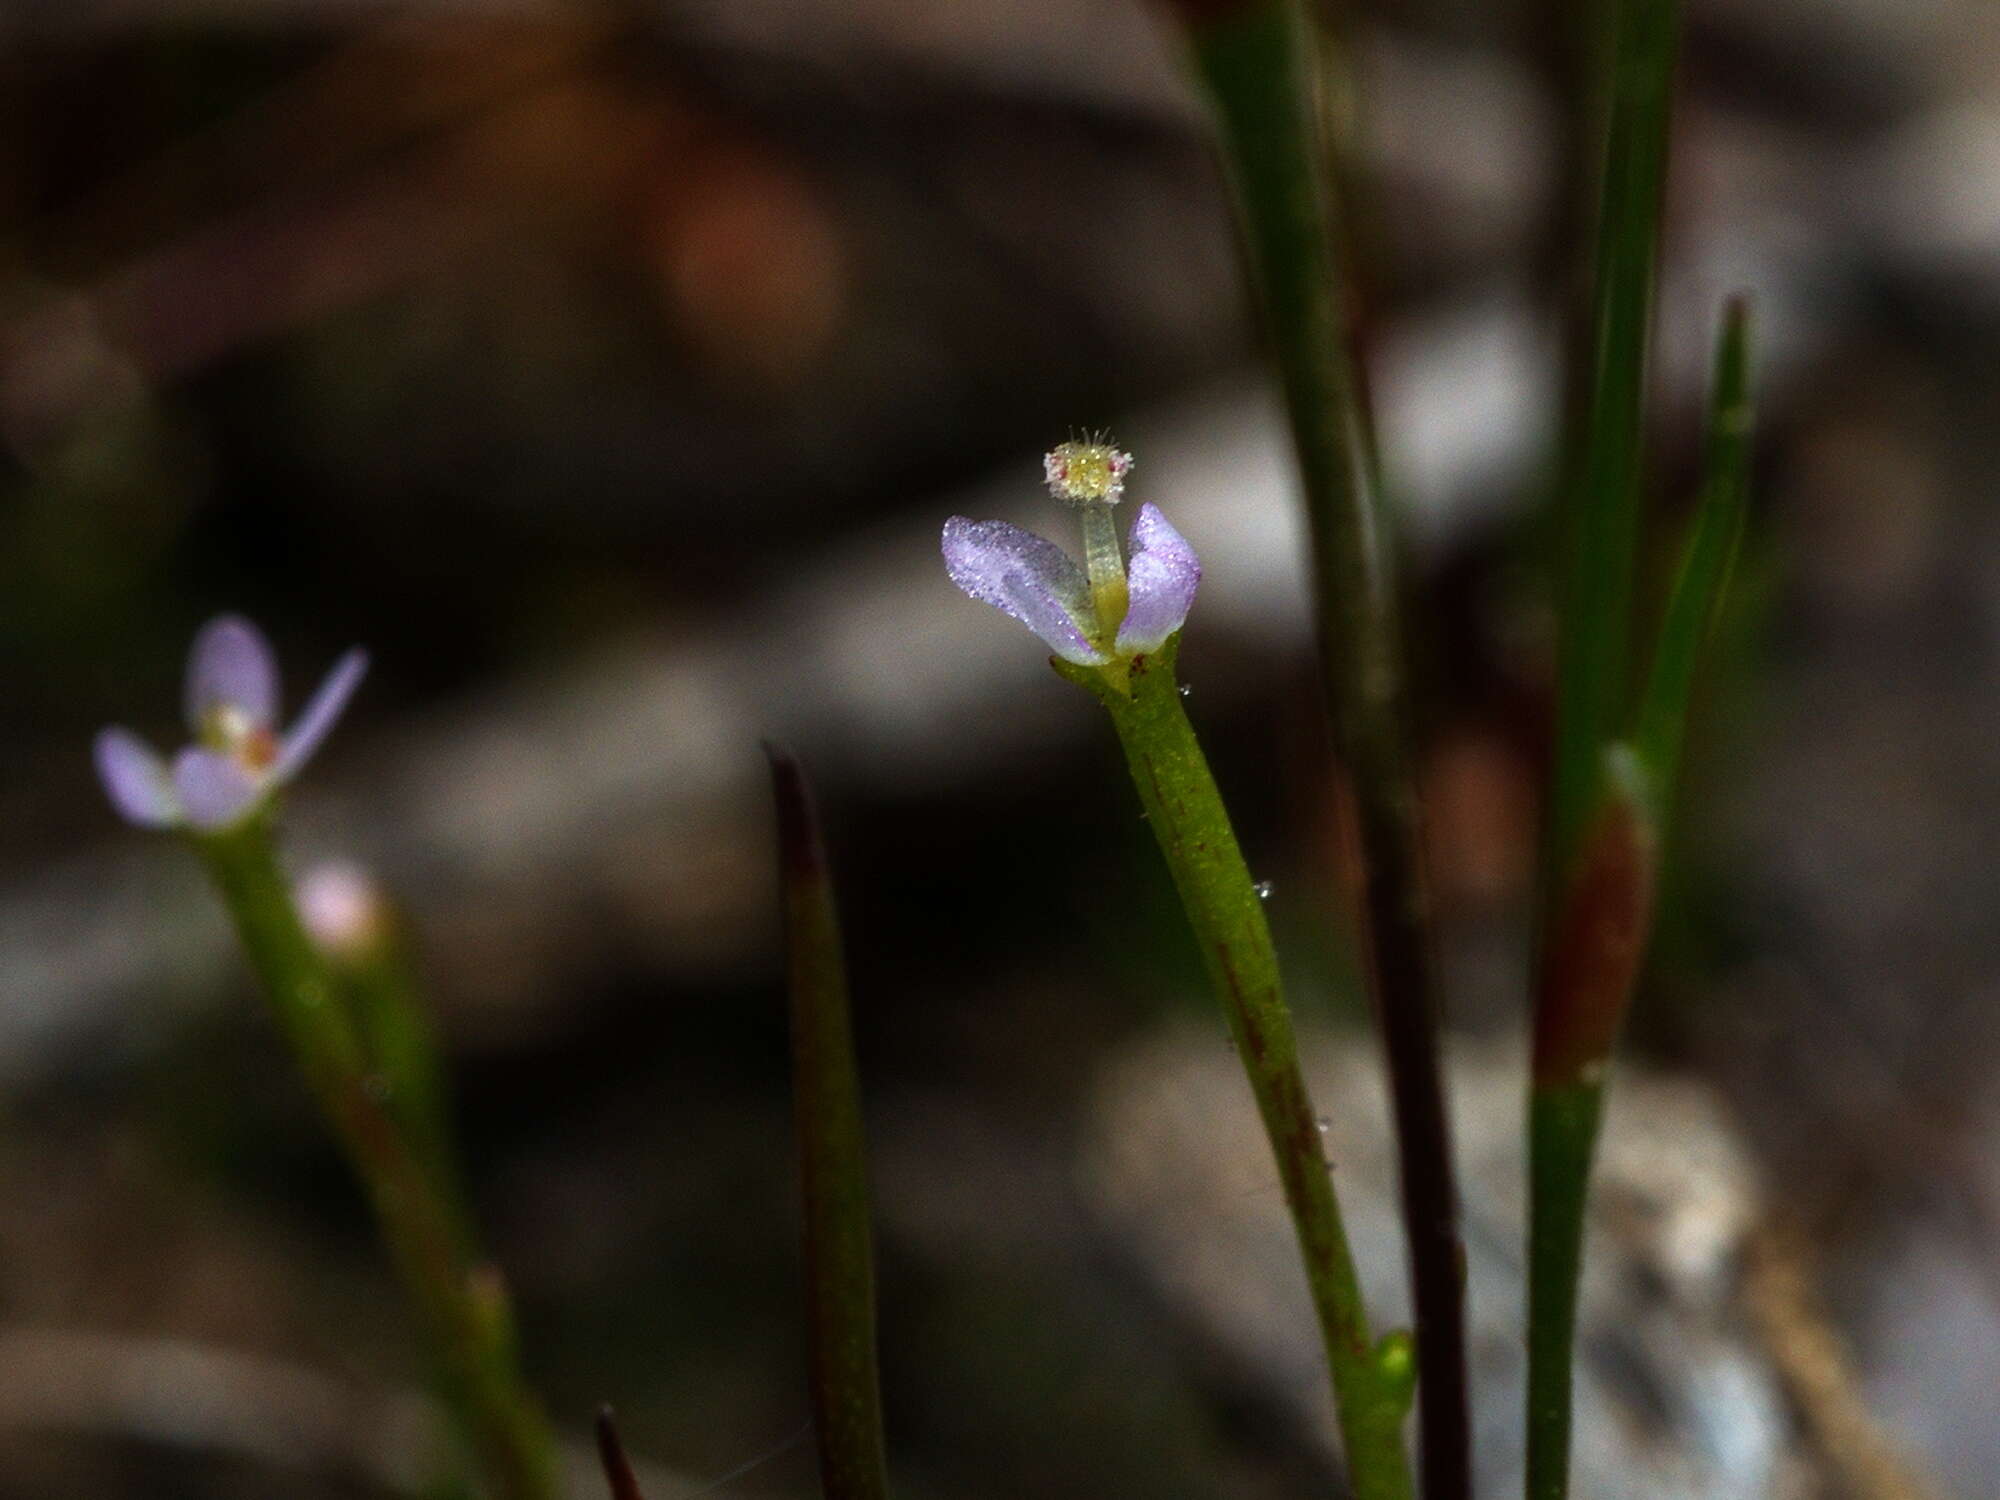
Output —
(1589, 965)
(1599, 849)
(1185, 810)
(1562, 1137)
(1259, 65)
(1595, 941)
(400, 1045)
(463, 1304)
(839, 1248)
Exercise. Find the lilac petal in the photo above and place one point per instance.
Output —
(136, 780)
(215, 790)
(231, 665)
(1028, 577)
(1163, 576)
(320, 715)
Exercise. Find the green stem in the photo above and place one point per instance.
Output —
(1598, 850)
(1188, 819)
(400, 1045)
(463, 1304)
(1562, 1136)
(1589, 965)
(1257, 60)
(833, 1171)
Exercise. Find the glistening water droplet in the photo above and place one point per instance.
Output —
(1263, 890)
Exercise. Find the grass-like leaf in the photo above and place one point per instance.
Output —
(1602, 508)
(611, 1453)
(1706, 561)
(1597, 854)
(839, 1248)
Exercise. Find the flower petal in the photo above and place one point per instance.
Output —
(320, 715)
(1028, 577)
(1163, 576)
(231, 665)
(136, 780)
(215, 790)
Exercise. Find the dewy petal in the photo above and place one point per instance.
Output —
(136, 780)
(320, 715)
(231, 665)
(1028, 577)
(1163, 576)
(214, 789)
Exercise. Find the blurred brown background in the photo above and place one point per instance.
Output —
(609, 374)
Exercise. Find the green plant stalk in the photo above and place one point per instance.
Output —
(839, 1250)
(1259, 65)
(1187, 816)
(400, 1045)
(1595, 944)
(462, 1304)
(1593, 829)
(1590, 964)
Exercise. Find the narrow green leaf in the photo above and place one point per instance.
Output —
(1594, 673)
(1713, 539)
(839, 1250)
(611, 1454)
(1584, 975)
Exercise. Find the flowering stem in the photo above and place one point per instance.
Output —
(462, 1302)
(1192, 826)
(826, 1085)
(400, 1047)
(1257, 59)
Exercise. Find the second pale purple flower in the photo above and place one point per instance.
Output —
(239, 757)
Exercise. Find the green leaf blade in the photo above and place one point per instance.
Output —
(843, 1370)
(1708, 558)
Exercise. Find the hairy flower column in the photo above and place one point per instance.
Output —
(1118, 639)
(220, 792)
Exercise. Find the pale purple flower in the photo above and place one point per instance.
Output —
(1038, 583)
(239, 758)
